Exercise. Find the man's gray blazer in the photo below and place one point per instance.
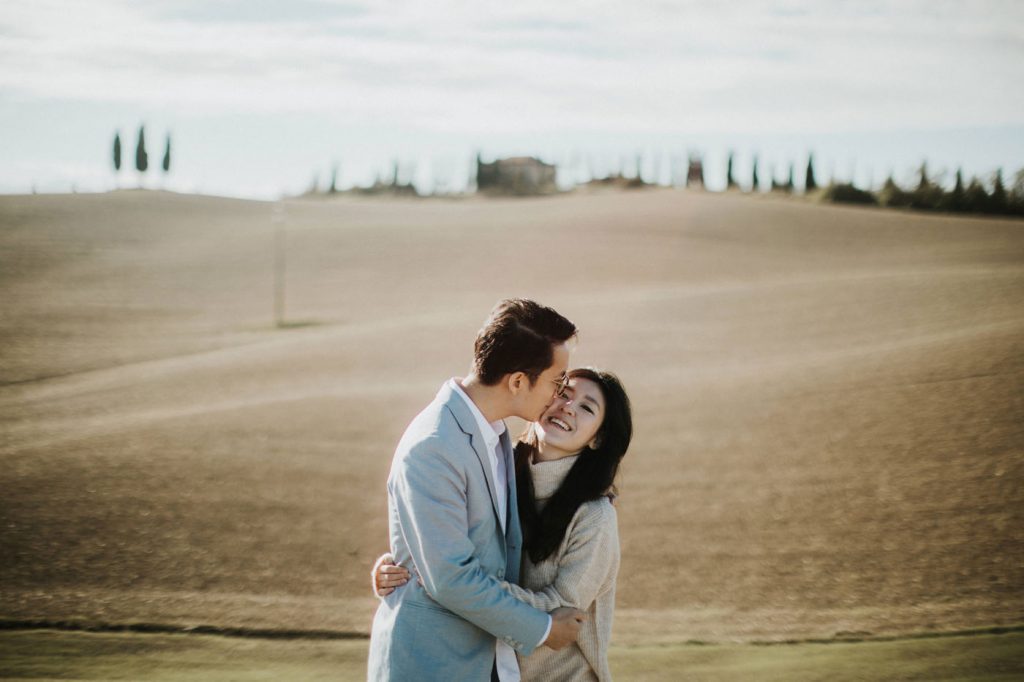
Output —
(443, 524)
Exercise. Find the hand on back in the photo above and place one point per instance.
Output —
(387, 576)
(565, 626)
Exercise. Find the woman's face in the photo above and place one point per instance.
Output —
(571, 422)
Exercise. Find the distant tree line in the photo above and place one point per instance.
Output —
(928, 195)
(396, 183)
(973, 197)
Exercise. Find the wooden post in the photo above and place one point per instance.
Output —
(279, 263)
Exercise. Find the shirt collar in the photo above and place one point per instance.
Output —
(491, 431)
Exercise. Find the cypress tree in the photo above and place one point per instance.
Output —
(893, 195)
(954, 201)
(928, 196)
(754, 181)
(809, 183)
(167, 155)
(117, 151)
(976, 199)
(141, 158)
(730, 181)
(997, 200)
(1017, 193)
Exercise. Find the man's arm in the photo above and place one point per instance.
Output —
(429, 493)
(386, 576)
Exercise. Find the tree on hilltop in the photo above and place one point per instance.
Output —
(730, 181)
(809, 183)
(928, 195)
(1017, 193)
(167, 155)
(892, 195)
(976, 198)
(754, 181)
(954, 200)
(117, 152)
(997, 200)
(141, 157)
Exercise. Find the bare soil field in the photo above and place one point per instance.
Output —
(46, 655)
(828, 403)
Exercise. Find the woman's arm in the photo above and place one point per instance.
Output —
(386, 576)
(590, 562)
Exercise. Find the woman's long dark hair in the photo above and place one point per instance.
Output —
(589, 478)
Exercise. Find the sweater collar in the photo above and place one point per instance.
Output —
(547, 476)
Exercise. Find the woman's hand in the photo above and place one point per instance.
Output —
(387, 575)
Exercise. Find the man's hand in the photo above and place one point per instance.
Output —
(565, 625)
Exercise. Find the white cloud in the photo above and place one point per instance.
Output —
(487, 66)
(264, 91)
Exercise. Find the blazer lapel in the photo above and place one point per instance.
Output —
(511, 508)
(467, 423)
(513, 529)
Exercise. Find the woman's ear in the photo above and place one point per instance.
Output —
(595, 443)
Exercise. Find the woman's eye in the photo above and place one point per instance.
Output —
(588, 409)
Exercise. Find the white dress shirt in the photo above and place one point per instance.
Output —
(505, 656)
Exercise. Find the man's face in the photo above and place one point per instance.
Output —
(536, 398)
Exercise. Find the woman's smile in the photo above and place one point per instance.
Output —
(559, 423)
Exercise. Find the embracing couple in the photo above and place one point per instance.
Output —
(504, 557)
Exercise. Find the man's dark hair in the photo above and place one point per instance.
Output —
(519, 336)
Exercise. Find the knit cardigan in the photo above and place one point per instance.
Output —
(580, 573)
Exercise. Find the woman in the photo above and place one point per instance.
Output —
(565, 467)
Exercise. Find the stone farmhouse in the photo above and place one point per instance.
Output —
(517, 175)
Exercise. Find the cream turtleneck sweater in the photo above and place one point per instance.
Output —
(581, 573)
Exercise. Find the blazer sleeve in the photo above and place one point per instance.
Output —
(587, 567)
(429, 492)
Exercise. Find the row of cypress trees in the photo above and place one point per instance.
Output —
(141, 155)
(810, 184)
(972, 197)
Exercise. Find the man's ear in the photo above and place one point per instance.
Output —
(517, 381)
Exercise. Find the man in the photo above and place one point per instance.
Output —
(452, 514)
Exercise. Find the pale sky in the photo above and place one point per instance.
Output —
(260, 95)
